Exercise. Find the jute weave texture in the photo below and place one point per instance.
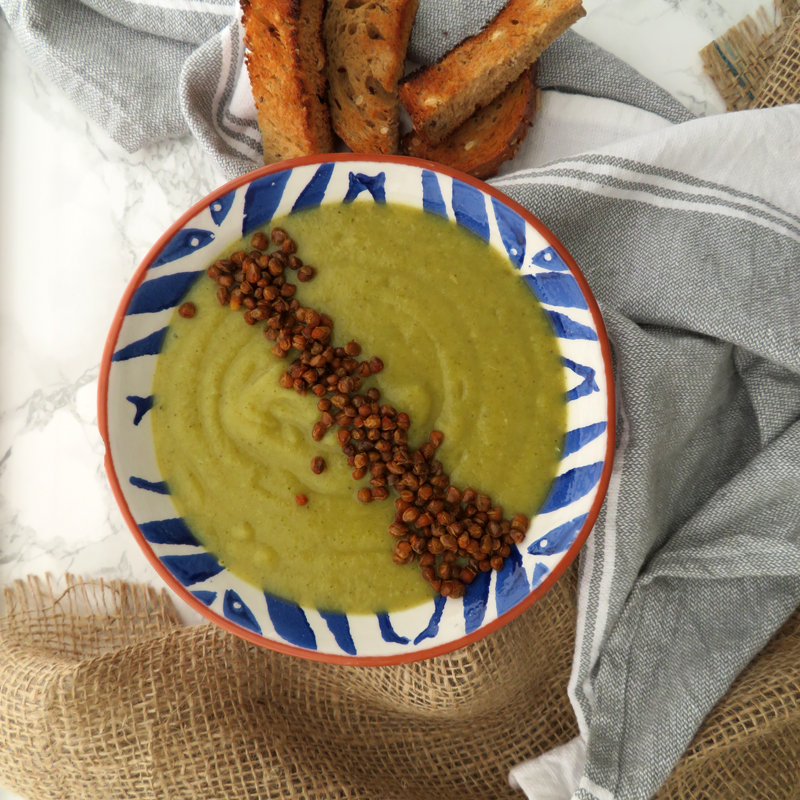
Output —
(756, 63)
(104, 695)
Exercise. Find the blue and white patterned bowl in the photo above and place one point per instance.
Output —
(125, 397)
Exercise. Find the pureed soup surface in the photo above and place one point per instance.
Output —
(467, 349)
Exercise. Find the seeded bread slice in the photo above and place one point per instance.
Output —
(441, 97)
(366, 43)
(286, 63)
(492, 135)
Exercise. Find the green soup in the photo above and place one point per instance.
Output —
(467, 351)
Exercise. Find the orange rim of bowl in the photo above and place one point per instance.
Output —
(250, 636)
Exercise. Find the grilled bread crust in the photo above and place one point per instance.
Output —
(366, 44)
(492, 135)
(286, 63)
(442, 96)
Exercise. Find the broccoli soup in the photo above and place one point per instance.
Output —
(396, 394)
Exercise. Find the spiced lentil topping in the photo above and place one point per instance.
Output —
(452, 533)
(318, 465)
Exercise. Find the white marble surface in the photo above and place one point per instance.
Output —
(77, 214)
(662, 39)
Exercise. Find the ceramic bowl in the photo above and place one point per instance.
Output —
(183, 253)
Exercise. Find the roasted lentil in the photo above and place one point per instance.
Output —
(436, 523)
(318, 465)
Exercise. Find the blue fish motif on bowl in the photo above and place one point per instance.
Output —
(556, 533)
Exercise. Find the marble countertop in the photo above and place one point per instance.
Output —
(72, 198)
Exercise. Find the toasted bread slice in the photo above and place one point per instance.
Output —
(286, 62)
(366, 43)
(441, 97)
(492, 135)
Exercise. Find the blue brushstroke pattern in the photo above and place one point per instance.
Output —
(168, 531)
(432, 199)
(387, 631)
(476, 600)
(557, 289)
(559, 539)
(470, 209)
(372, 184)
(159, 487)
(567, 328)
(161, 293)
(512, 231)
(205, 597)
(314, 190)
(189, 240)
(192, 569)
(512, 582)
(579, 437)
(262, 198)
(432, 627)
(142, 406)
(587, 386)
(539, 572)
(550, 259)
(290, 623)
(242, 615)
(339, 626)
(149, 346)
(572, 485)
(221, 206)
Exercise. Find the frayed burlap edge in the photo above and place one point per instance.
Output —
(195, 712)
(782, 84)
(77, 619)
(739, 61)
(103, 694)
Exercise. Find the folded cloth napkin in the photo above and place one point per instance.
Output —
(689, 235)
(147, 70)
(692, 247)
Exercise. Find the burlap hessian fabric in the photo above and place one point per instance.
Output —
(104, 695)
(756, 63)
(782, 84)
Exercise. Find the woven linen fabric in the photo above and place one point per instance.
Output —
(694, 561)
(692, 247)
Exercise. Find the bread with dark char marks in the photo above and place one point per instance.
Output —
(492, 135)
(286, 64)
(441, 97)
